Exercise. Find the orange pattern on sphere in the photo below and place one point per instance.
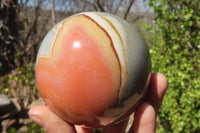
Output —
(82, 68)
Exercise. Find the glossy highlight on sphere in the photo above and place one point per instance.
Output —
(92, 69)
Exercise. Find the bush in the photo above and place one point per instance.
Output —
(20, 84)
(32, 127)
(175, 52)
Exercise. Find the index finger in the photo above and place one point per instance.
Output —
(157, 88)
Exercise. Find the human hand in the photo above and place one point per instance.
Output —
(144, 118)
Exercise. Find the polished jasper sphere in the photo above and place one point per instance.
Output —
(93, 69)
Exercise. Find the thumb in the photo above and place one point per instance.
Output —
(51, 123)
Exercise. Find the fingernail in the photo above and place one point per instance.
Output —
(33, 115)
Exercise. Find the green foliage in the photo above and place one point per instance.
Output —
(12, 130)
(20, 83)
(32, 127)
(176, 53)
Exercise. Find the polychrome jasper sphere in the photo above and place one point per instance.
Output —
(93, 69)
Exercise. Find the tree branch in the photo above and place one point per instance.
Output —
(117, 8)
(53, 12)
(90, 3)
(128, 9)
(100, 6)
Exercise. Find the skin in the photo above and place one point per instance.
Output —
(144, 118)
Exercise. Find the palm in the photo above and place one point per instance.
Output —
(144, 118)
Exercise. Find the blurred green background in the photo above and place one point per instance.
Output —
(170, 28)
